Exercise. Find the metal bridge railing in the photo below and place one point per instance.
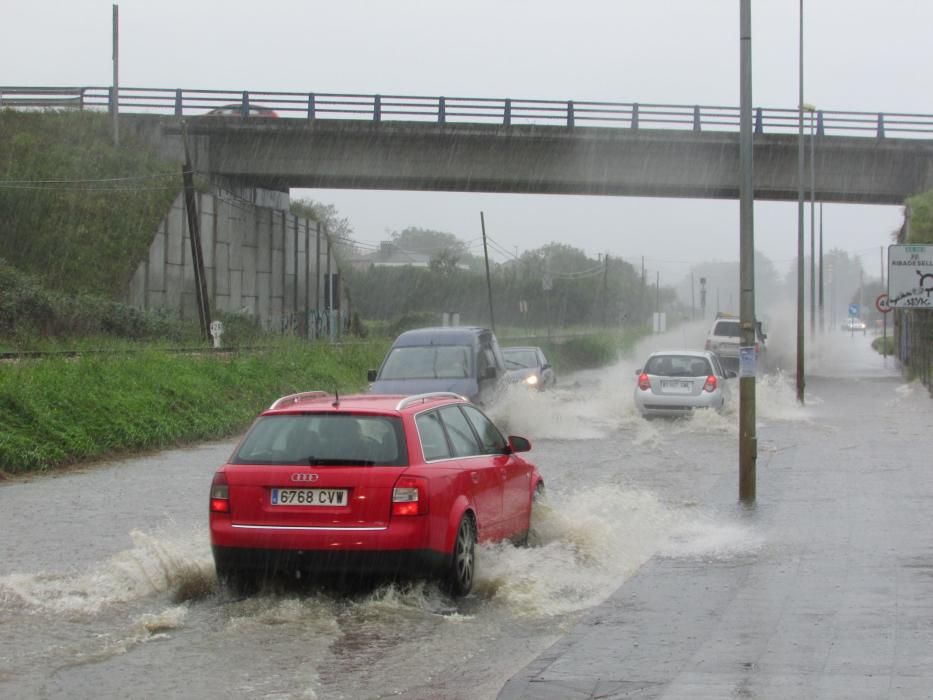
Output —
(467, 110)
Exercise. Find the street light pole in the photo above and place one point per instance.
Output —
(800, 272)
(812, 110)
(748, 441)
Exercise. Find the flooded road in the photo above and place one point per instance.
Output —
(107, 586)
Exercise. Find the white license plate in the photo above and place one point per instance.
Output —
(309, 497)
(677, 387)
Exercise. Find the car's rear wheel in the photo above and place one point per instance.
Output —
(459, 579)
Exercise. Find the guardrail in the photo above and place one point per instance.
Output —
(465, 110)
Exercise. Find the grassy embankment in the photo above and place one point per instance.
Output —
(61, 411)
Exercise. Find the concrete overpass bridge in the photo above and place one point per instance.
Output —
(279, 140)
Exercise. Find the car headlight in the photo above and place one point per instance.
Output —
(531, 380)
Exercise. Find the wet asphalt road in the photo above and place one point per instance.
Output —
(834, 600)
(107, 587)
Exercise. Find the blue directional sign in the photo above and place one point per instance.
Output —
(853, 309)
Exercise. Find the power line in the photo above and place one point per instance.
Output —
(149, 176)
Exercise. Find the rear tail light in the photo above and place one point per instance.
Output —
(708, 345)
(710, 383)
(643, 382)
(220, 494)
(410, 496)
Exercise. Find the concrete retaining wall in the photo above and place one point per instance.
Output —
(259, 261)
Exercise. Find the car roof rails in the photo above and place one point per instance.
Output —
(302, 397)
(431, 395)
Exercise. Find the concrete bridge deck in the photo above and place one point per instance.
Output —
(535, 159)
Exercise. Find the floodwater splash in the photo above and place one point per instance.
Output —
(585, 544)
(776, 399)
(556, 414)
(154, 564)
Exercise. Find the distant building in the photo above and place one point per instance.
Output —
(390, 255)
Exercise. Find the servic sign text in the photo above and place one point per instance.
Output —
(910, 276)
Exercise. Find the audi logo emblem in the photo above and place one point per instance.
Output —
(305, 477)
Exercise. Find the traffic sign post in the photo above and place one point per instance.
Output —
(881, 303)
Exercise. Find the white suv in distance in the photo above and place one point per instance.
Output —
(724, 336)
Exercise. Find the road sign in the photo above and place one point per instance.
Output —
(881, 303)
(853, 309)
(910, 276)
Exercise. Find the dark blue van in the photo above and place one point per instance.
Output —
(463, 359)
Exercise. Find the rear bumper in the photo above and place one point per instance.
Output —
(402, 546)
(656, 405)
(397, 563)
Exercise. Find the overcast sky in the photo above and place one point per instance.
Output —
(859, 55)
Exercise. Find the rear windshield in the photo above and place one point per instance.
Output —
(428, 362)
(339, 439)
(678, 366)
(730, 328)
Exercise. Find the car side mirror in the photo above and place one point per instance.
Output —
(519, 444)
(490, 373)
(638, 371)
(731, 374)
(546, 365)
(371, 375)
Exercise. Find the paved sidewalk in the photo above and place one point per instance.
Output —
(836, 603)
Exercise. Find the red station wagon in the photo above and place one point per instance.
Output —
(369, 485)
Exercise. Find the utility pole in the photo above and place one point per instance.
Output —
(317, 281)
(605, 303)
(822, 311)
(881, 250)
(693, 305)
(115, 93)
(492, 318)
(644, 282)
(194, 236)
(657, 293)
(748, 441)
(800, 271)
(861, 285)
(884, 316)
(329, 292)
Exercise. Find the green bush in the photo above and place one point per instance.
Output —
(884, 345)
(32, 315)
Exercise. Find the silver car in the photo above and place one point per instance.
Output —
(675, 382)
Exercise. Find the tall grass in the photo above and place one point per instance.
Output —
(55, 412)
